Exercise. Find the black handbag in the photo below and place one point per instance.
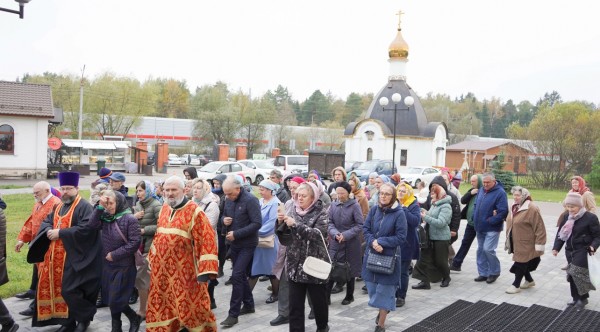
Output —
(382, 264)
(341, 270)
(424, 242)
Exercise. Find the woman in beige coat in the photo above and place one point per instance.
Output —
(525, 238)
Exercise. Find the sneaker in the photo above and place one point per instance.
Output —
(512, 290)
(229, 321)
(527, 284)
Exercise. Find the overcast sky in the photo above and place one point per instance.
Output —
(512, 49)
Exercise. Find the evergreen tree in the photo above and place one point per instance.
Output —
(507, 178)
(593, 179)
(484, 116)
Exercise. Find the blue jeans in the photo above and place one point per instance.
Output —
(401, 292)
(240, 292)
(487, 262)
(467, 240)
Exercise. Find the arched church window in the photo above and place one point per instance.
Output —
(369, 154)
(7, 139)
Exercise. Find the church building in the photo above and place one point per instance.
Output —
(396, 116)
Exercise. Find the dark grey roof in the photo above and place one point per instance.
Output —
(33, 100)
(432, 127)
(352, 126)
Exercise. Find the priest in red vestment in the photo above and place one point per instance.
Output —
(183, 257)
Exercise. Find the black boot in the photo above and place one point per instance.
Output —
(134, 321)
(134, 296)
(116, 326)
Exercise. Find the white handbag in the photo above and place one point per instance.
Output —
(315, 267)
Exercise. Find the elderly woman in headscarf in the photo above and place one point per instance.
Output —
(308, 225)
(120, 240)
(580, 231)
(379, 180)
(433, 263)
(265, 253)
(359, 194)
(370, 189)
(209, 203)
(345, 229)
(526, 238)
(578, 185)
(410, 249)
(339, 175)
(385, 233)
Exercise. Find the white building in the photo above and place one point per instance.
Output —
(24, 113)
(418, 142)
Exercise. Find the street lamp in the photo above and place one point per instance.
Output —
(19, 12)
(396, 98)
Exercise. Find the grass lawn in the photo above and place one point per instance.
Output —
(19, 271)
(540, 195)
(12, 186)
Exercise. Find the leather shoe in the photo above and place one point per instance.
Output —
(247, 310)
(228, 282)
(27, 312)
(491, 279)
(480, 279)
(400, 302)
(26, 295)
(347, 301)
(272, 299)
(422, 285)
(134, 297)
(326, 329)
(445, 282)
(279, 320)
(81, 326)
(66, 328)
(337, 289)
(10, 327)
(311, 314)
(364, 288)
(213, 305)
(454, 268)
(229, 321)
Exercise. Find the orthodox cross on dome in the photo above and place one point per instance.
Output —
(399, 13)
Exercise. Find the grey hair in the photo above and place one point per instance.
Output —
(43, 185)
(277, 173)
(232, 180)
(489, 175)
(108, 193)
(524, 192)
(176, 180)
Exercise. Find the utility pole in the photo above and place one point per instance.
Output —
(81, 103)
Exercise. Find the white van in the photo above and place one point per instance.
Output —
(291, 163)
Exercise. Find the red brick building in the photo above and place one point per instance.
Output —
(480, 154)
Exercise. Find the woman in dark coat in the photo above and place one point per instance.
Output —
(345, 227)
(410, 250)
(118, 246)
(580, 231)
(385, 233)
(308, 225)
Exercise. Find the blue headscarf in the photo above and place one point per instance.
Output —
(384, 178)
(269, 185)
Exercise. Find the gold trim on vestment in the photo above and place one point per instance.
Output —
(209, 257)
(169, 321)
(173, 231)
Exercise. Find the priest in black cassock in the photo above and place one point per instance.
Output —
(70, 259)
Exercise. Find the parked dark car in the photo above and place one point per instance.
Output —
(378, 166)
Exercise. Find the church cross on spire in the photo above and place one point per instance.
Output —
(399, 13)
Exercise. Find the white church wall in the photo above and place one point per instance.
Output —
(30, 147)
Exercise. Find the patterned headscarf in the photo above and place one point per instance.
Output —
(582, 187)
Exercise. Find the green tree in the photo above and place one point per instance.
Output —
(593, 178)
(315, 110)
(216, 120)
(484, 116)
(507, 178)
(174, 99)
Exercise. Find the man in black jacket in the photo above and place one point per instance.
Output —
(467, 213)
(242, 219)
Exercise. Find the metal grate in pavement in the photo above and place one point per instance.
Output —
(437, 318)
(466, 318)
(536, 318)
(573, 320)
(498, 318)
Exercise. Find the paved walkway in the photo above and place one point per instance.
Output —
(551, 290)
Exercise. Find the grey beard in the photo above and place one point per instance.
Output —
(174, 202)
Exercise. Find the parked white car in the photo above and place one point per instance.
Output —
(289, 164)
(414, 175)
(174, 160)
(212, 169)
(262, 168)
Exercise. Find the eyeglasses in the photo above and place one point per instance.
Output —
(385, 194)
(402, 191)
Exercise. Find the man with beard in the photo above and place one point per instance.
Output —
(45, 203)
(71, 262)
(183, 257)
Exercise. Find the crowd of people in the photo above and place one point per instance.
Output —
(167, 245)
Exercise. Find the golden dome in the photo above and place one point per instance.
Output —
(398, 48)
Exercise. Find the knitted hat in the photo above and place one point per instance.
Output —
(104, 173)
(298, 180)
(573, 199)
(344, 185)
